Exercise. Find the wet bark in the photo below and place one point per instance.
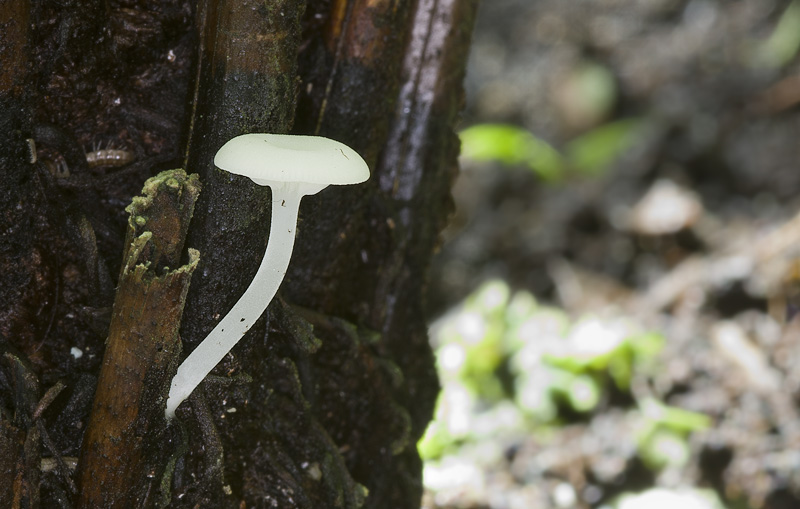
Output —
(322, 403)
(382, 235)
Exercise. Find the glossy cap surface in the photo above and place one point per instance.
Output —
(266, 158)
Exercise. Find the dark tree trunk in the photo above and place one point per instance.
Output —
(321, 403)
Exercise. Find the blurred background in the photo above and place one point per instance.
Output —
(613, 306)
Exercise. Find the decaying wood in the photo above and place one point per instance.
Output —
(410, 56)
(322, 403)
(142, 349)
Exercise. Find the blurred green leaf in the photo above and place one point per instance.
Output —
(580, 392)
(621, 367)
(490, 298)
(578, 364)
(584, 393)
(675, 418)
(590, 153)
(663, 437)
(593, 152)
(647, 345)
(638, 355)
(664, 448)
(533, 393)
(511, 145)
(472, 341)
(592, 344)
(783, 44)
(521, 307)
(434, 442)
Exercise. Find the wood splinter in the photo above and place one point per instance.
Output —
(120, 457)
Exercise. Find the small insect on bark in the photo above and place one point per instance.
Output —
(109, 157)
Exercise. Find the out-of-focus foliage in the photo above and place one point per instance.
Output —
(662, 438)
(594, 151)
(591, 153)
(613, 346)
(660, 498)
(676, 419)
(576, 362)
(586, 95)
(473, 401)
(511, 366)
(512, 146)
(782, 46)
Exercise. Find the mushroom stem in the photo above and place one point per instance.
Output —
(286, 198)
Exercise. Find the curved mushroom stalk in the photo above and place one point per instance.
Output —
(293, 167)
(254, 301)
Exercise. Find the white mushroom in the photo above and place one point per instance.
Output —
(293, 167)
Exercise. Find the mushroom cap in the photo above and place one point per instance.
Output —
(268, 158)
